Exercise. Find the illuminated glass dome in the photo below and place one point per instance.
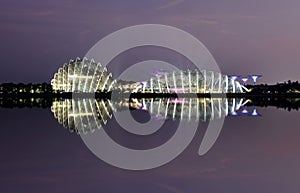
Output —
(82, 75)
(191, 81)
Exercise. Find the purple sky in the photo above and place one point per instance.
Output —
(251, 155)
(258, 36)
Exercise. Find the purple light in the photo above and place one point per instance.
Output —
(245, 79)
(177, 101)
(234, 77)
(178, 90)
(159, 73)
(159, 117)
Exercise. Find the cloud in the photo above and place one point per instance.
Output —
(171, 3)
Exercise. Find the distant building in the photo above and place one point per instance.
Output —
(88, 76)
(82, 76)
(191, 81)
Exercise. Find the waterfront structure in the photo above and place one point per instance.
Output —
(87, 76)
(246, 79)
(82, 75)
(191, 81)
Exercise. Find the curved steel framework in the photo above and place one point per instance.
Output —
(191, 81)
(82, 75)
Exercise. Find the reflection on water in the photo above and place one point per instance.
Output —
(89, 114)
(193, 109)
(84, 115)
(285, 103)
(250, 155)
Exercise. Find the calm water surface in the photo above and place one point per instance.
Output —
(252, 154)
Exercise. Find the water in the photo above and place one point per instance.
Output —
(251, 154)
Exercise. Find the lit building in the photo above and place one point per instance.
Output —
(191, 81)
(82, 76)
(88, 76)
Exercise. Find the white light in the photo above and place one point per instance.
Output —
(234, 113)
(254, 78)
(245, 111)
(233, 77)
(76, 76)
(254, 113)
(244, 80)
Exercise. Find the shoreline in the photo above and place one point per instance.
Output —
(148, 95)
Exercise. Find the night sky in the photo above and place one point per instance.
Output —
(245, 37)
(251, 155)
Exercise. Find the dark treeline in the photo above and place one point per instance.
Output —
(288, 87)
(45, 89)
(279, 102)
(20, 88)
(12, 102)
